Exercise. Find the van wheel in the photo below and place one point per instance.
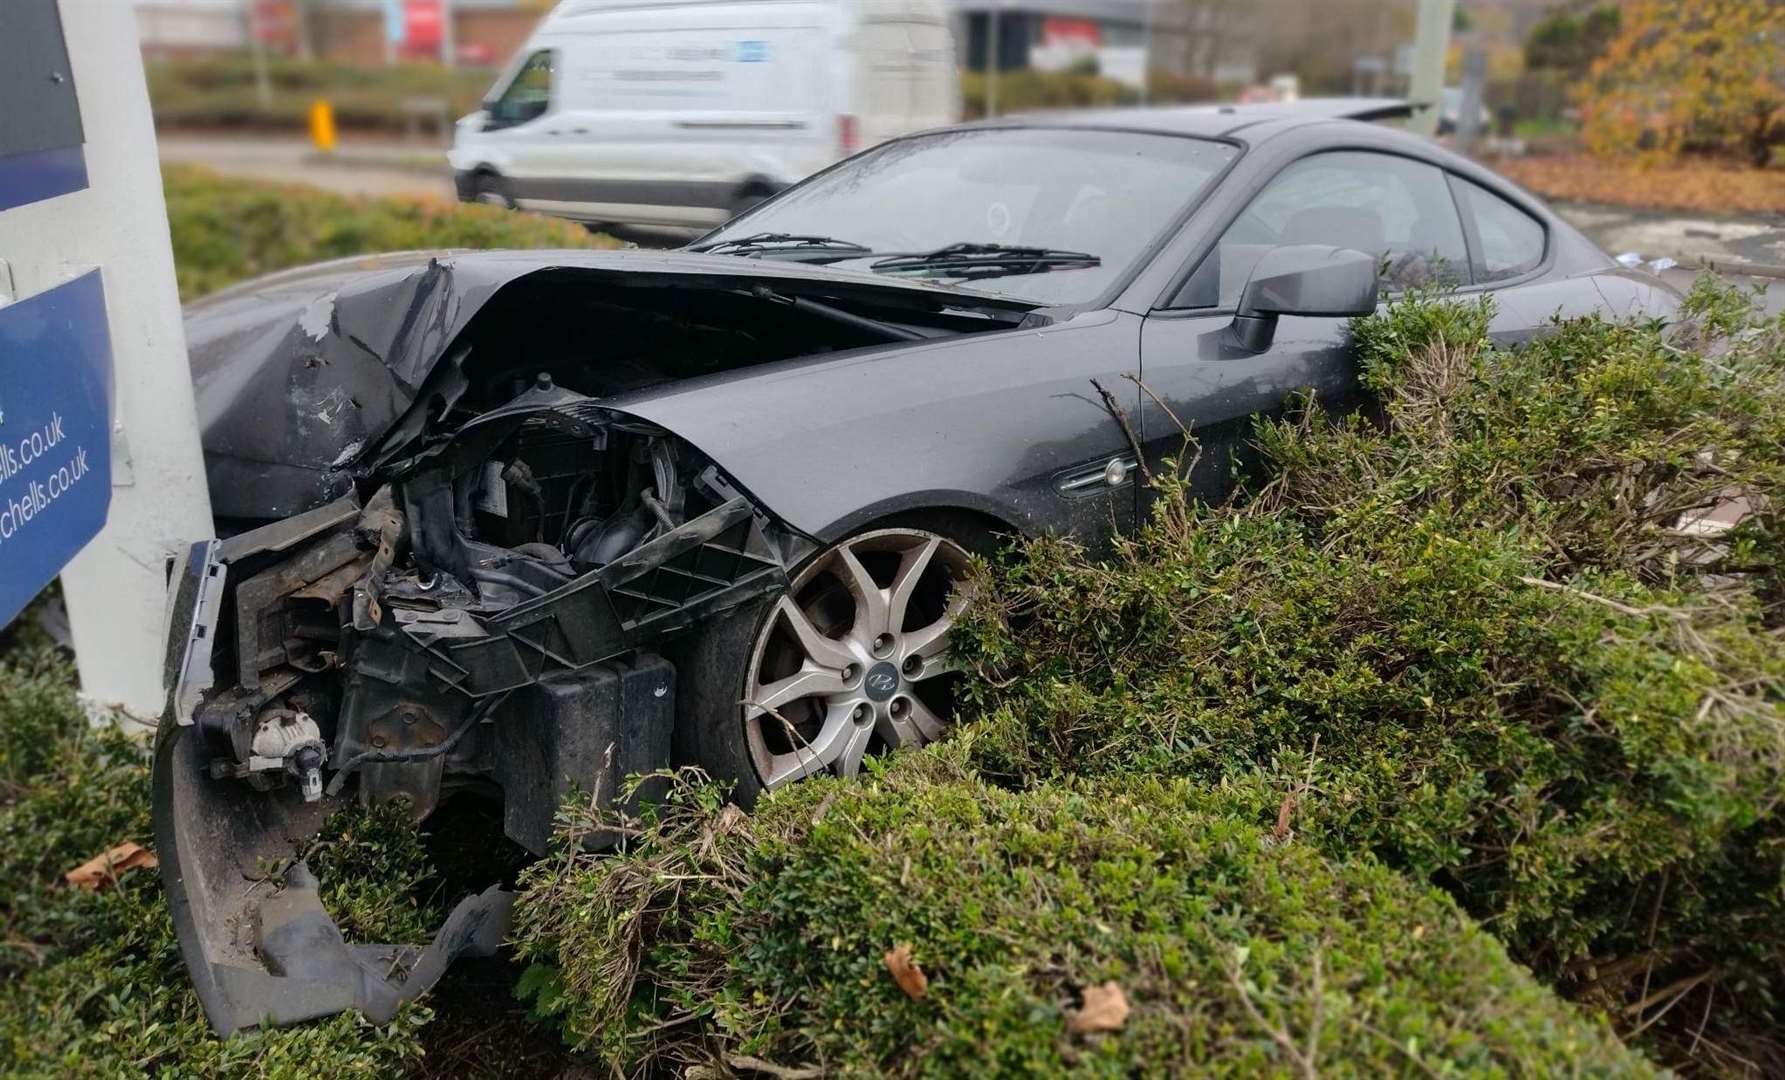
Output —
(749, 199)
(489, 189)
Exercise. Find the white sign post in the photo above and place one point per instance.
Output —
(114, 221)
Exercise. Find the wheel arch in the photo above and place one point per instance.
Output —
(757, 182)
(913, 508)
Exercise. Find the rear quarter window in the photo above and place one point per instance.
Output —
(1509, 243)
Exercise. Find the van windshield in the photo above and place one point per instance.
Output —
(1051, 215)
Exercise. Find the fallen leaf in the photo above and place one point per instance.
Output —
(1691, 184)
(101, 868)
(1105, 1009)
(1284, 812)
(907, 974)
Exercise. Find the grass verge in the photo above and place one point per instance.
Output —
(225, 229)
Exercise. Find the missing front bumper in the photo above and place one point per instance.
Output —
(555, 692)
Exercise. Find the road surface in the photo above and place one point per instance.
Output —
(371, 169)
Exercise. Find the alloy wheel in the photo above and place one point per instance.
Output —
(853, 659)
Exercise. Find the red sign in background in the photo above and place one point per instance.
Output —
(424, 26)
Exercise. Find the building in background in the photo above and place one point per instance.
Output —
(1119, 39)
(180, 29)
(482, 32)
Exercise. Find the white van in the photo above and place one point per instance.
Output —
(685, 112)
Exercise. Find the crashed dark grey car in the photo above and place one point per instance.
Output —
(509, 524)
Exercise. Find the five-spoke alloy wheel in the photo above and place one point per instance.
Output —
(853, 659)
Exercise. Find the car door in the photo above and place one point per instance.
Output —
(1196, 371)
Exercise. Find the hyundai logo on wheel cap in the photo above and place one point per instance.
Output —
(882, 681)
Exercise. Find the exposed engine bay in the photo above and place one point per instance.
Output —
(476, 607)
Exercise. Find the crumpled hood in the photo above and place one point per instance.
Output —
(297, 373)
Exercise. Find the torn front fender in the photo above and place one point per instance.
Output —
(294, 379)
(255, 938)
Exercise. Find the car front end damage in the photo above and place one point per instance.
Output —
(485, 619)
(454, 548)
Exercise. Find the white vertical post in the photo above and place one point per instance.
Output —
(116, 588)
(1146, 56)
(993, 54)
(1431, 44)
(300, 16)
(449, 36)
(1469, 112)
(263, 86)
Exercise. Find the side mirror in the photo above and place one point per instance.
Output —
(1304, 279)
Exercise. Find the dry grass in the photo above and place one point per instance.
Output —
(1703, 186)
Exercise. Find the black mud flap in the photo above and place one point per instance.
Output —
(262, 951)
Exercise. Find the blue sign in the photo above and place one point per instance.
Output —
(55, 434)
(43, 174)
(41, 139)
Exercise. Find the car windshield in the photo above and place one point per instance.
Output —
(999, 194)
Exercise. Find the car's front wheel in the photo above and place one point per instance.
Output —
(852, 660)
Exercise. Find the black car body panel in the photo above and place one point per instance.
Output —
(463, 497)
(991, 424)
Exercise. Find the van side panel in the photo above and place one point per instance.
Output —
(674, 112)
(679, 108)
(905, 77)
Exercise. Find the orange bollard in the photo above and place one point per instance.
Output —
(322, 125)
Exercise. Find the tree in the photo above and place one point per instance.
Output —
(1570, 41)
(1322, 42)
(1705, 76)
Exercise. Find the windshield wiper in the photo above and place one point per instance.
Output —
(987, 260)
(777, 241)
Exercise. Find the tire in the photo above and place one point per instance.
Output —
(489, 189)
(749, 199)
(734, 744)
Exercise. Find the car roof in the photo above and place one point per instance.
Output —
(1215, 120)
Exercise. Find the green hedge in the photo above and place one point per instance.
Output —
(1464, 644)
(226, 229)
(223, 93)
(1026, 90)
(721, 940)
(1475, 644)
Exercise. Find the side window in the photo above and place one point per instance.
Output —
(1508, 242)
(1395, 208)
(527, 96)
